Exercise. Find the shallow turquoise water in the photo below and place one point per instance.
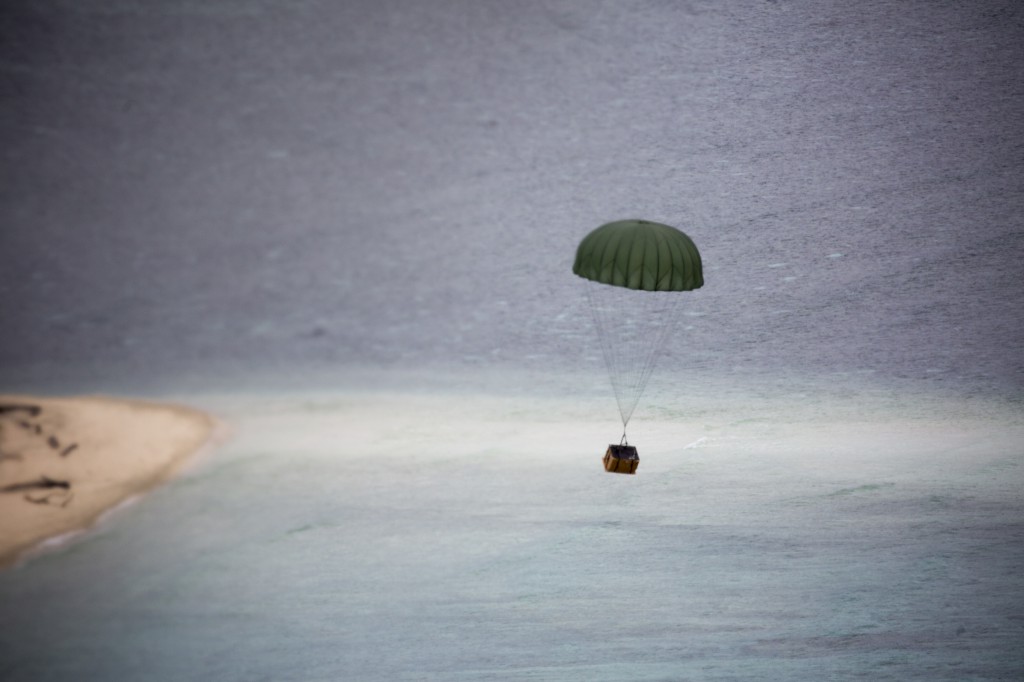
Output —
(374, 536)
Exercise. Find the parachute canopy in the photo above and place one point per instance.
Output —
(638, 254)
(647, 265)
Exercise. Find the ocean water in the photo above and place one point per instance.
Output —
(347, 229)
(372, 536)
(212, 194)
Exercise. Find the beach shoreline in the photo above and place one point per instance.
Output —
(67, 463)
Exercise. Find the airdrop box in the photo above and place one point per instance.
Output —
(621, 459)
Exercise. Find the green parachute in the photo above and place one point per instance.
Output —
(638, 254)
(636, 271)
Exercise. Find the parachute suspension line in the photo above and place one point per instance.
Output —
(623, 441)
(601, 312)
(667, 315)
(632, 327)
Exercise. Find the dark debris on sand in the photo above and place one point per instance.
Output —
(56, 491)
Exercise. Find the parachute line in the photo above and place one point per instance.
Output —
(633, 327)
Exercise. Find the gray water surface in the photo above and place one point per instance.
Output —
(201, 194)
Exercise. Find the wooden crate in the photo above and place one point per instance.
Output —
(621, 459)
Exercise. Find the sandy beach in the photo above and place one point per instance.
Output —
(66, 461)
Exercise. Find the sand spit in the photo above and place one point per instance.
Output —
(66, 461)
